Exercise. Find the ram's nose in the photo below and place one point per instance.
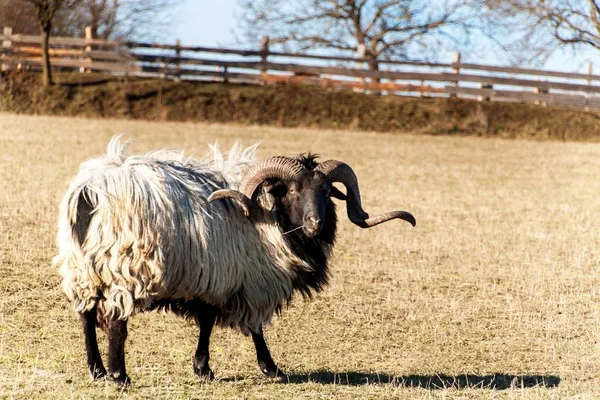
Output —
(313, 224)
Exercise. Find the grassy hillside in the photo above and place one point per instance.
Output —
(90, 95)
(493, 295)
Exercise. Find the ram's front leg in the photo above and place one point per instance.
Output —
(94, 360)
(265, 361)
(206, 321)
(117, 334)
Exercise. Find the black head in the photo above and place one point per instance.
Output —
(302, 189)
(303, 202)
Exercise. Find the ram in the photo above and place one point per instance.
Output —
(225, 240)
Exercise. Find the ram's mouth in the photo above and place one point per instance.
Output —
(311, 232)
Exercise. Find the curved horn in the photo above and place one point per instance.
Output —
(337, 171)
(275, 167)
(335, 192)
(248, 206)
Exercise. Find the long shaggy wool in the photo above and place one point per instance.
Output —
(152, 235)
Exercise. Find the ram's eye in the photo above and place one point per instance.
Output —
(291, 191)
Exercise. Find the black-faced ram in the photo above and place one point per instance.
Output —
(223, 240)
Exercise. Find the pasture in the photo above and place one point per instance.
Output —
(495, 294)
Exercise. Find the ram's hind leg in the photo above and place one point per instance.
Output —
(89, 318)
(206, 321)
(94, 360)
(265, 361)
(117, 334)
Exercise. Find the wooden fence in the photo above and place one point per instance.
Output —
(457, 79)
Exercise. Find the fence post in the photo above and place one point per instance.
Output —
(538, 90)
(484, 85)
(589, 82)
(6, 44)
(360, 53)
(177, 62)
(455, 70)
(264, 52)
(7, 32)
(88, 38)
(88, 48)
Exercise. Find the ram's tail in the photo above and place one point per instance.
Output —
(77, 208)
(74, 221)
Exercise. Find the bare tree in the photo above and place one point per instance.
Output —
(19, 15)
(22, 16)
(124, 19)
(544, 26)
(407, 29)
(109, 19)
(46, 11)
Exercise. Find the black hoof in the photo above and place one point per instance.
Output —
(98, 374)
(120, 379)
(203, 371)
(273, 372)
(205, 374)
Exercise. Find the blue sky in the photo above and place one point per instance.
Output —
(206, 23)
(212, 23)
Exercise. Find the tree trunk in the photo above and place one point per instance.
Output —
(46, 71)
(373, 64)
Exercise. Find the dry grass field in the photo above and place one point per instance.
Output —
(495, 294)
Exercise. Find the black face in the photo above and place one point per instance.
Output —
(304, 201)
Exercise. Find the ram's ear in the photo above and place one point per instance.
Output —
(276, 188)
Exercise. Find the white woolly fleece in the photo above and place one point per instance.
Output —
(152, 235)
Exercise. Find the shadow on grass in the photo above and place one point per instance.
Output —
(432, 382)
(98, 82)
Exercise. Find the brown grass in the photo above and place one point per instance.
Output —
(495, 294)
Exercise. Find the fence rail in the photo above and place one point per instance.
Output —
(262, 66)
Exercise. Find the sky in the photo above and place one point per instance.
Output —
(213, 23)
(206, 23)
